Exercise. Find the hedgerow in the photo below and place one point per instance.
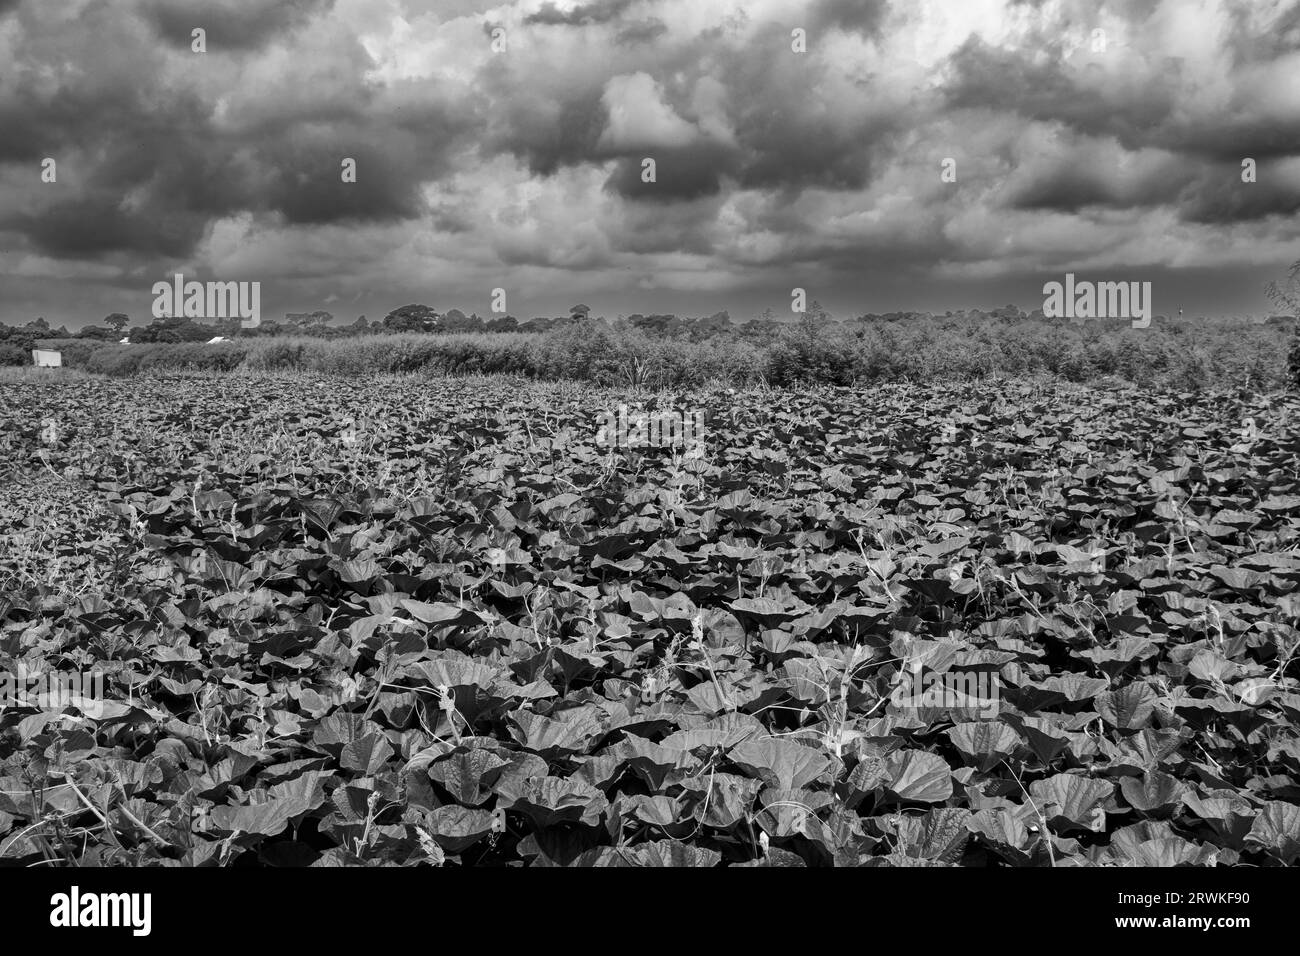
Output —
(1191, 354)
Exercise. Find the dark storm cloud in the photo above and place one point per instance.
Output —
(8, 6)
(1219, 197)
(114, 136)
(174, 196)
(788, 149)
(193, 174)
(1076, 189)
(1066, 191)
(37, 126)
(642, 31)
(1146, 115)
(230, 24)
(304, 178)
(683, 173)
(791, 134)
(1237, 136)
(1152, 116)
(1144, 111)
(91, 227)
(196, 175)
(546, 134)
(860, 16)
(108, 137)
(985, 77)
(1081, 177)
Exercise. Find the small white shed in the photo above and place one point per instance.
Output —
(47, 358)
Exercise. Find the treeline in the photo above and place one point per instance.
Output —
(415, 319)
(423, 320)
(1192, 354)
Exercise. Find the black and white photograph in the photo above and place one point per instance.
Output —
(450, 435)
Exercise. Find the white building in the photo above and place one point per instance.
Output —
(47, 358)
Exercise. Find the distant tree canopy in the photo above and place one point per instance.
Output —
(412, 318)
(180, 329)
(458, 321)
(502, 323)
(671, 326)
(308, 320)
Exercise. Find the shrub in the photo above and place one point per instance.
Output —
(814, 351)
(276, 354)
(219, 357)
(1293, 359)
(115, 360)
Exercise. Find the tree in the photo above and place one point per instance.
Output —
(504, 323)
(812, 322)
(655, 324)
(308, 321)
(117, 321)
(457, 321)
(1287, 298)
(16, 344)
(716, 324)
(580, 311)
(808, 356)
(412, 318)
(176, 329)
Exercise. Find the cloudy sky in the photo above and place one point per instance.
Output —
(522, 168)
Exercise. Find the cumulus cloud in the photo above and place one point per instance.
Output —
(580, 14)
(638, 117)
(1084, 133)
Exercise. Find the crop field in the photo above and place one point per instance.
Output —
(448, 622)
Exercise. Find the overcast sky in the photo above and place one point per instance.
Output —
(522, 169)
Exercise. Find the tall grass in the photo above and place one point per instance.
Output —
(596, 354)
(1188, 354)
(28, 373)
